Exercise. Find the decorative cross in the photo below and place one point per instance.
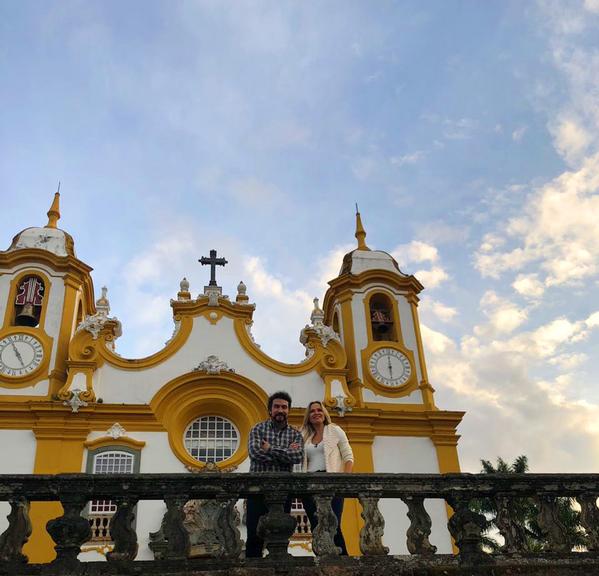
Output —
(213, 261)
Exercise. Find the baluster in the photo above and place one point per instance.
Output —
(323, 542)
(513, 532)
(550, 524)
(371, 535)
(122, 532)
(228, 523)
(70, 530)
(17, 534)
(589, 518)
(466, 528)
(277, 526)
(420, 527)
(177, 537)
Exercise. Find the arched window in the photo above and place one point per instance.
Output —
(211, 439)
(29, 301)
(382, 318)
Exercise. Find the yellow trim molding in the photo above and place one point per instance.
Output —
(105, 441)
(193, 395)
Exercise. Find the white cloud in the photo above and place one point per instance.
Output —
(592, 6)
(415, 251)
(571, 139)
(438, 309)
(528, 285)
(412, 158)
(504, 316)
(518, 133)
(432, 278)
(557, 230)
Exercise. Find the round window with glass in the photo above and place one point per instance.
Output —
(211, 439)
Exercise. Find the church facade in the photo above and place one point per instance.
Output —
(70, 403)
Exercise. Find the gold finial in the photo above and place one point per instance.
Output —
(360, 232)
(54, 212)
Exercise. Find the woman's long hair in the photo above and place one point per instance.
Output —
(307, 428)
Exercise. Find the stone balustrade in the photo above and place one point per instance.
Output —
(224, 554)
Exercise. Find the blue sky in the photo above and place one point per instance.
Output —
(466, 131)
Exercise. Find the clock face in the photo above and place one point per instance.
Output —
(20, 354)
(390, 367)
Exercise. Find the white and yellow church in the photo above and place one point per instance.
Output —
(70, 403)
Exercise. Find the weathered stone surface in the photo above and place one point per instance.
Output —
(17, 534)
(122, 532)
(323, 535)
(420, 527)
(74, 490)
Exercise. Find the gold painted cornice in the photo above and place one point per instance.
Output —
(55, 419)
(200, 307)
(329, 360)
(85, 352)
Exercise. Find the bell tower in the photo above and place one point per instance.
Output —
(372, 304)
(45, 291)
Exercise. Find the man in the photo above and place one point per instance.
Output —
(273, 446)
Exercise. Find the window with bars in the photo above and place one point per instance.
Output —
(211, 439)
(109, 460)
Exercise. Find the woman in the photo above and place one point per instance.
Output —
(326, 449)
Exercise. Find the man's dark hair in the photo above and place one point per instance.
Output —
(280, 395)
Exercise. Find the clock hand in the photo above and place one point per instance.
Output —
(390, 366)
(17, 353)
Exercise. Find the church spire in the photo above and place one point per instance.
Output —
(54, 212)
(360, 232)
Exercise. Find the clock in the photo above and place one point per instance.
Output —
(20, 354)
(390, 367)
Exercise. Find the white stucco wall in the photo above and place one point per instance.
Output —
(116, 385)
(18, 456)
(409, 455)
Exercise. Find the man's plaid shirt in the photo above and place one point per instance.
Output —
(280, 458)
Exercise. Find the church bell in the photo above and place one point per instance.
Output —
(27, 316)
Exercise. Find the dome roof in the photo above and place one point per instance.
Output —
(358, 261)
(49, 238)
(363, 258)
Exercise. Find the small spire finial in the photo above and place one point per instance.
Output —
(360, 232)
(54, 212)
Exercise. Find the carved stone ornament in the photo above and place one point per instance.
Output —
(116, 431)
(69, 531)
(466, 527)
(551, 525)
(514, 534)
(122, 532)
(323, 542)
(75, 402)
(420, 527)
(325, 333)
(371, 535)
(17, 534)
(96, 322)
(276, 527)
(341, 405)
(589, 518)
(213, 293)
(212, 365)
